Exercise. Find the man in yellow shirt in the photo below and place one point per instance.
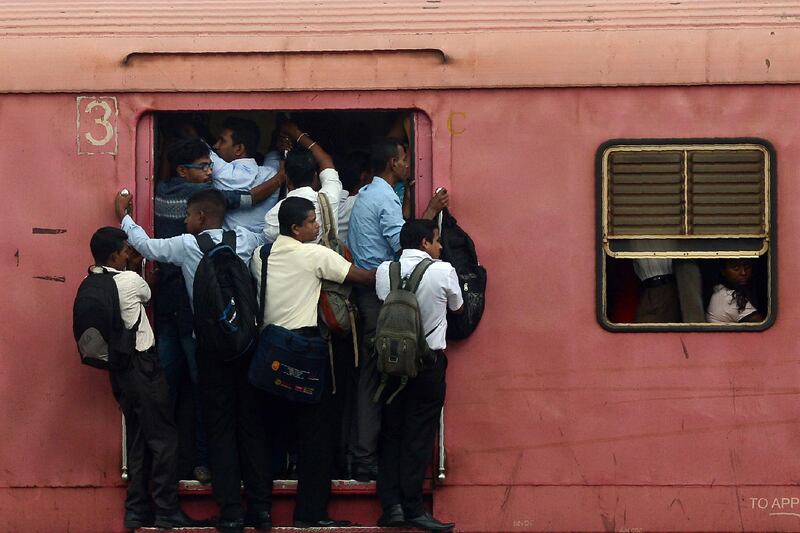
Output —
(296, 267)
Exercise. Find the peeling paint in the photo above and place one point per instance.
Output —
(48, 231)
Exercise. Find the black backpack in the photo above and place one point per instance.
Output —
(103, 340)
(459, 250)
(225, 304)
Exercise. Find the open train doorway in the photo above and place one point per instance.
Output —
(346, 135)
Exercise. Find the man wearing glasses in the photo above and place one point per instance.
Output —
(192, 169)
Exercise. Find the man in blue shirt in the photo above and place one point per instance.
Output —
(236, 434)
(236, 169)
(374, 237)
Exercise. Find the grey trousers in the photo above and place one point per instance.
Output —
(368, 413)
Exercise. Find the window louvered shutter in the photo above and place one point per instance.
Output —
(646, 193)
(726, 193)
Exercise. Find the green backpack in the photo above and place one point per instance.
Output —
(400, 343)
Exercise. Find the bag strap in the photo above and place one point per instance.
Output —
(262, 302)
(416, 275)
(205, 242)
(328, 228)
(394, 275)
(229, 238)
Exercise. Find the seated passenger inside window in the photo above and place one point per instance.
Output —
(734, 298)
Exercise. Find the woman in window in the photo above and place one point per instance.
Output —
(734, 299)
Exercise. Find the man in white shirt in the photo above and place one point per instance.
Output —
(296, 267)
(235, 169)
(301, 171)
(143, 395)
(410, 421)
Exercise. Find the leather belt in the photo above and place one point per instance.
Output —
(657, 281)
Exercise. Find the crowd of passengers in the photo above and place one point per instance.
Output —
(675, 291)
(244, 435)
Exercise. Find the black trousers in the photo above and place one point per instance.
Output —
(237, 444)
(409, 428)
(368, 413)
(312, 426)
(143, 395)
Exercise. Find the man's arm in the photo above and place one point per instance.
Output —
(360, 276)
(391, 222)
(455, 300)
(169, 250)
(259, 193)
(303, 139)
(439, 201)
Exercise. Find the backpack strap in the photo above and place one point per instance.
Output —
(328, 228)
(229, 238)
(262, 302)
(205, 242)
(416, 275)
(403, 383)
(394, 275)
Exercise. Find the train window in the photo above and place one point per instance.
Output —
(677, 221)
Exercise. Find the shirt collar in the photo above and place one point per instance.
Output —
(379, 182)
(415, 254)
(302, 192)
(98, 269)
(284, 241)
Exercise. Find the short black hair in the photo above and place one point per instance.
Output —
(414, 231)
(300, 167)
(382, 151)
(355, 163)
(210, 201)
(293, 212)
(244, 132)
(105, 242)
(185, 152)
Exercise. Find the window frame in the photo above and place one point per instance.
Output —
(770, 237)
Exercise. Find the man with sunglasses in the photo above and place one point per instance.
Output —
(192, 169)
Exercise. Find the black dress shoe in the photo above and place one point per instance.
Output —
(392, 517)
(429, 523)
(137, 520)
(228, 525)
(261, 520)
(178, 519)
(365, 472)
(327, 522)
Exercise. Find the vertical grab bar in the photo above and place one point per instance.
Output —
(124, 450)
(442, 454)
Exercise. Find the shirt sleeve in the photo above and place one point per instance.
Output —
(382, 280)
(237, 199)
(271, 227)
(222, 171)
(246, 242)
(331, 185)
(233, 176)
(391, 222)
(135, 287)
(453, 291)
(328, 264)
(170, 250)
